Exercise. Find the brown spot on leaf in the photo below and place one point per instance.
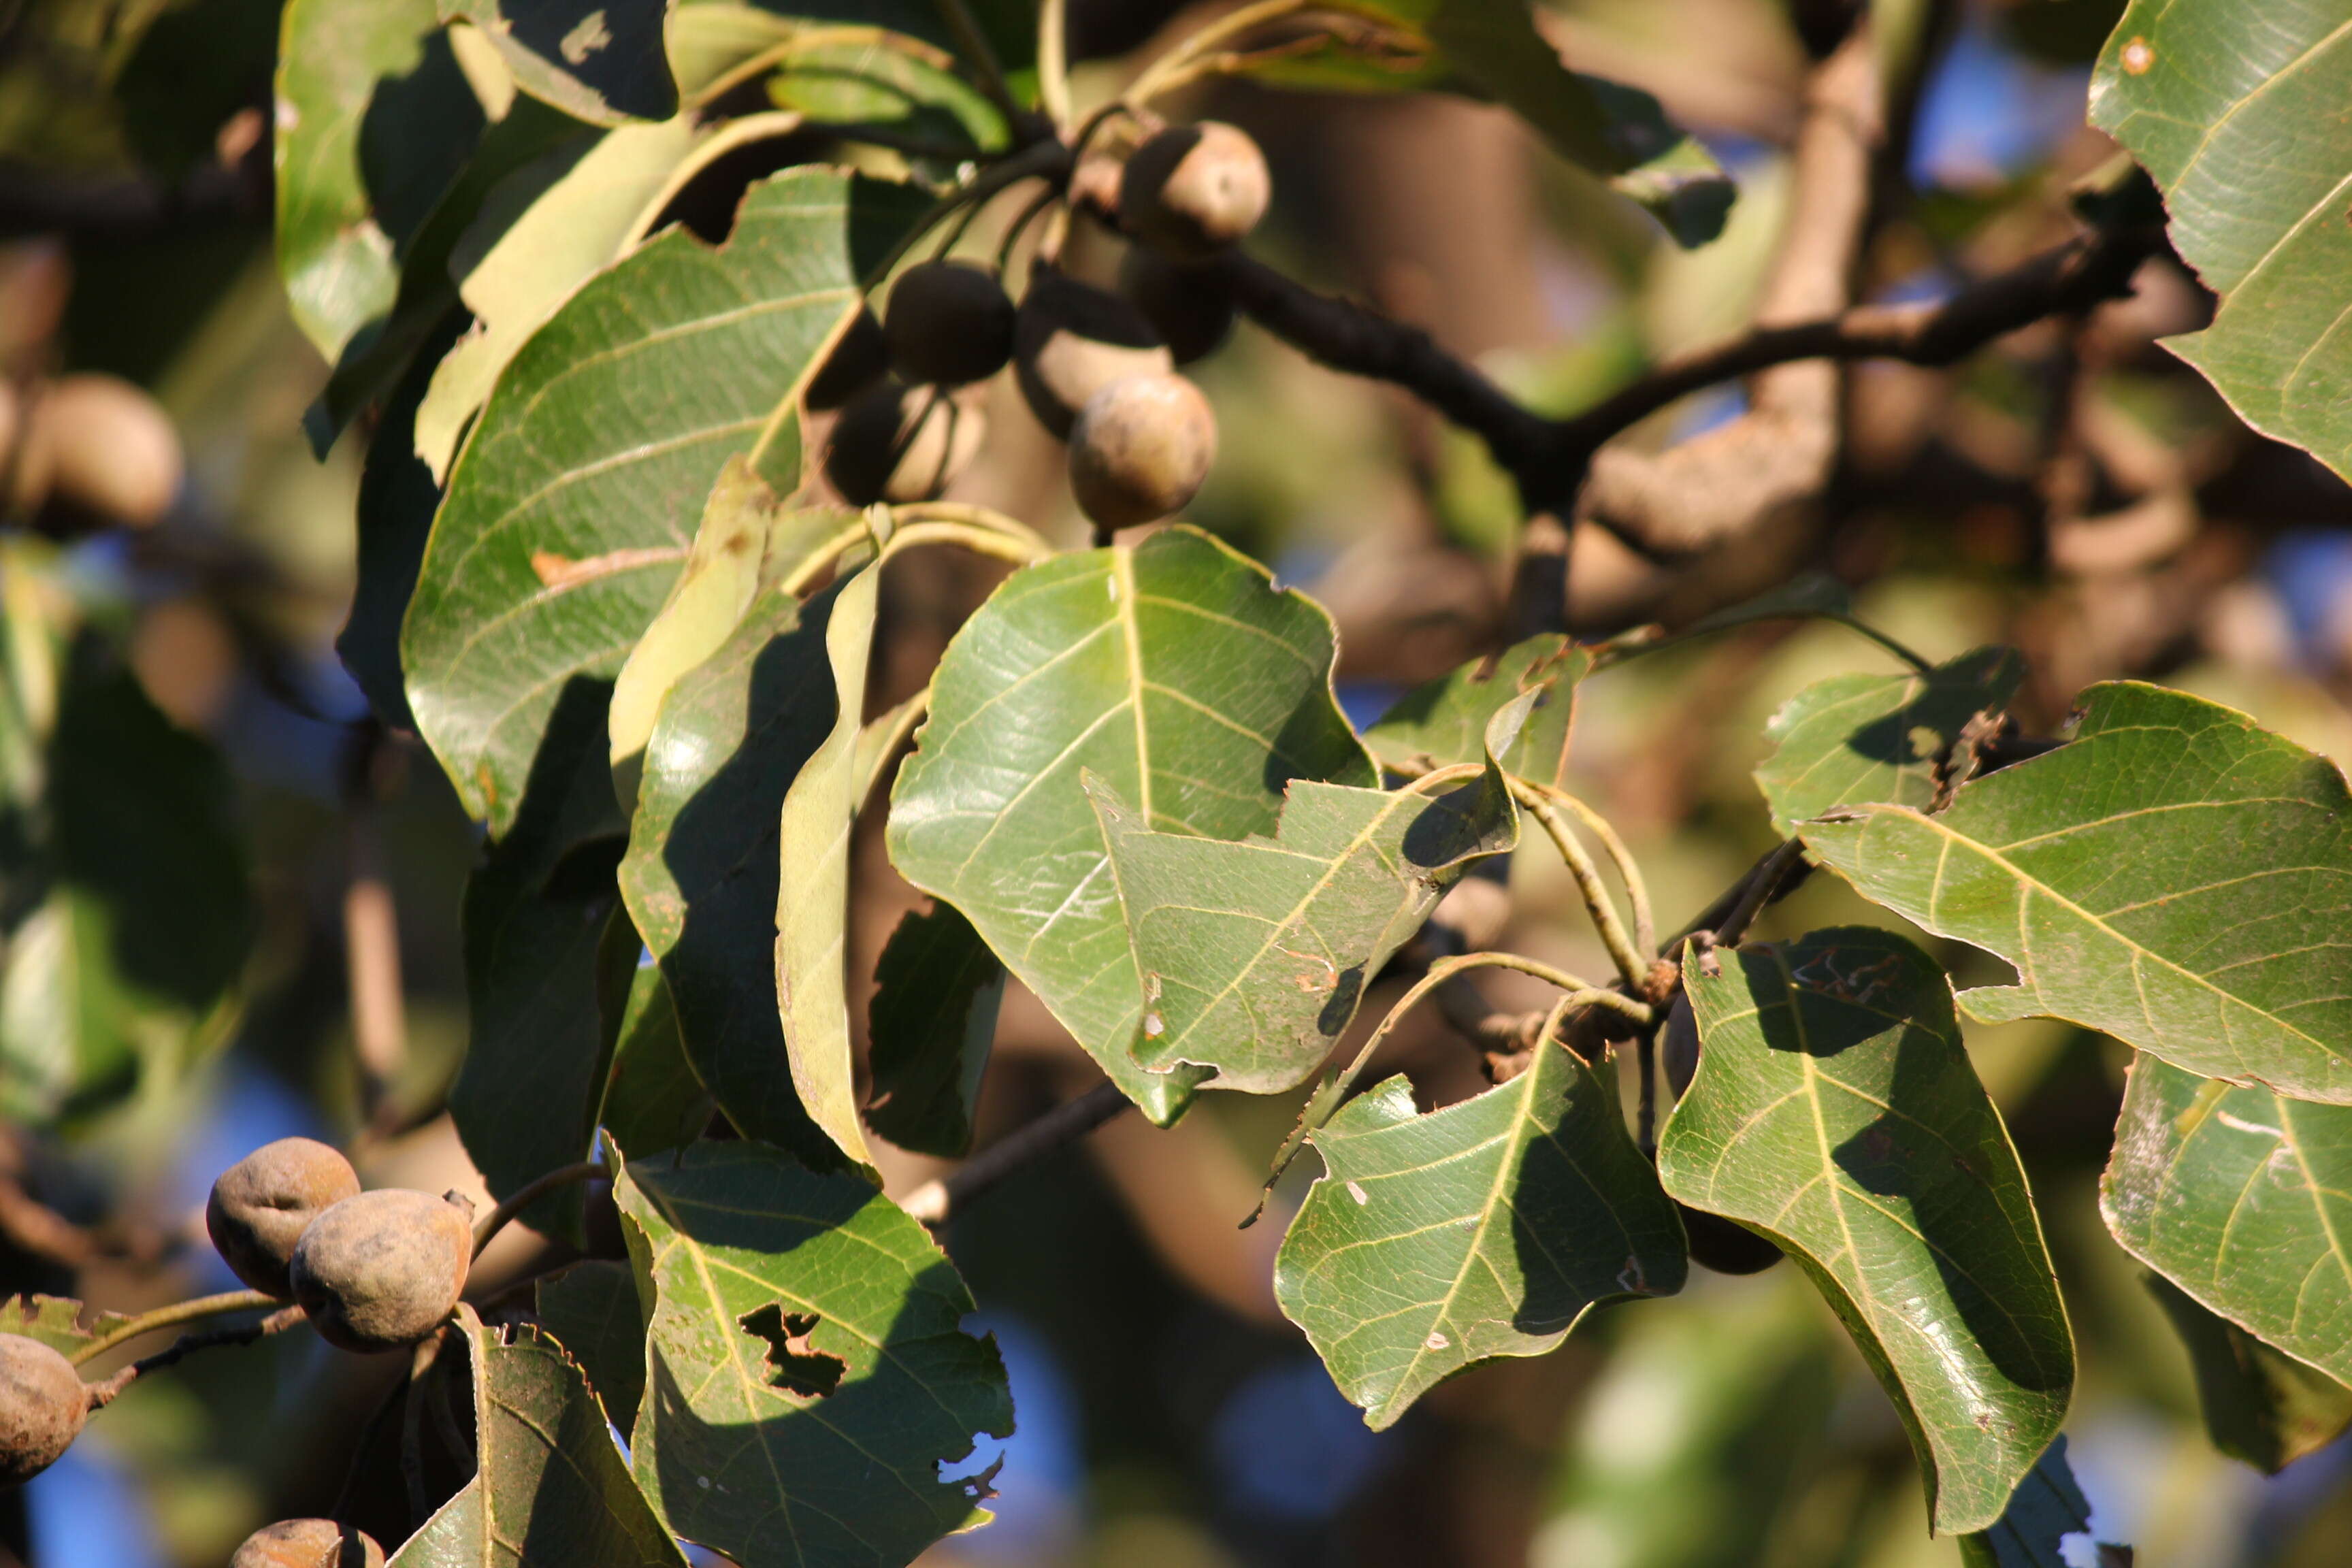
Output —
(802, 1369)
(557, 572)
(2138, 56)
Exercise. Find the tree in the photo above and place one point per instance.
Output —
(666, 334)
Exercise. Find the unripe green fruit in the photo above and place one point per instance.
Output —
(1193, 190)
(382, 1270)
(859, 359)
(308, 1543)
(42, 1406)
(950, 322)
(1723, 1246)
(901, 444)
(1071, 339)
(1185, 305)
(1140, 449)
(1678, 1045)
(262, 1204)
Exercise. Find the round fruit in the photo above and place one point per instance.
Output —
(1071, 339)
(1678, 1045)
(382, 1270)
(1193, 190)
(1723, 1246)
(261, 1206)
(901, 444)
(1140, 449)
(1184, 305)
(858, 359)
(111, 448)
(42, 1406)
(950, 322)
(308, 1543)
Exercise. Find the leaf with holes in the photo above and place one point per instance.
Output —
(2259, 1404)
(2236, 107)
(1877, 738)
(1255, 955)
(2240, 1197)
(599, 61)
(806, 1378)
(2176, 877)
(1444, 721)
(2048, 1507)
(1489, 1229)
(931, 1021)
(549, 1488)
(60, 1322)
(571, 505)
(1835, 1111)
(1174, 671)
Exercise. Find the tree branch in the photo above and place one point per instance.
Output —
(102, 1393)
(936, 1202)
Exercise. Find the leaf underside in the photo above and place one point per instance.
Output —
(2259, 1404)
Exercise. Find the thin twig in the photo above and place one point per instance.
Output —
(938, 1201)
(1632, 964)
(104, 1392)
(1760, 892)
(1628, 871)
(529, 1192)
(169, 1317)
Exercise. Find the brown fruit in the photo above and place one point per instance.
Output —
(1071, 339)
(901, 444)
(42, 1406)
(859, 359)
(950, 324)
(380, 1271)
(111, 449)
(1678, 1045)
(1193, 190)
(308, 1543)
(1723, 1245)
(1140, 449)
(261, 1206)
(1184, 304)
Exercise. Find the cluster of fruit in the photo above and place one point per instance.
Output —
(372, 1271)
(1096, 367)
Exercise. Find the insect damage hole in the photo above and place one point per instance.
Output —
(802, 1370)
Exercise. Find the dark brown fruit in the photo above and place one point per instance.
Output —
(42, 1408)
(261, 1206)
(1140, 449)
(858, 359)
(901, 444)
(308, 1543)
(1723, 1246)
(382, 1270)
(1071, 339)
(950, 324)
(1194, 190)
(1185, 305)
(1678, 1045)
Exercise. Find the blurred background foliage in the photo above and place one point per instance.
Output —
(229, 911)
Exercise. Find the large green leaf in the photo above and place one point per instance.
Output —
(598, 60)
(551, 1489)
(930, 1023)
(2243, 1199)
(1444, 721)
(2048, 1506)
(63, 1324)
(890, 83)
(1174, 671)
(1255, 955)
(1489, 1228)
(1835, 1111)
(571, 504)
(702, 873)
(652, 1098)
(591, 1308)
(2259, 1404)
(1878, 738)
(2174, 877)
(2238, 108)
(806, 1377)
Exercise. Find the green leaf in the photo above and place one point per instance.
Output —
(591, 1310)
(1255, 955)
(1444, 721)
(890, 83)
(57, 1321)
(597, 60)
(806, 1377)
(930, 1023)
(652, 1098)
(2239, 1197)
(1489, 1228)
(2259, 1404)
(1175, 672)
(1835, 1111)
(811, 910)
(701, 872)
(570, 507)
(1882, 739)
(2236, 108)
(2173, 877)
(372, 114)
(2048, 1506)
(550, 1489)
